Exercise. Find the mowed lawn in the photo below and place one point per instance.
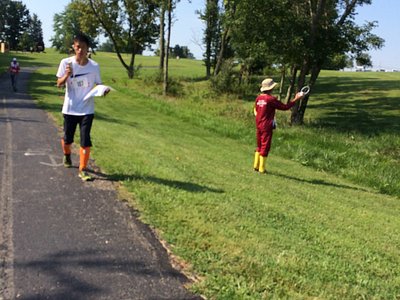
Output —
(299, 232)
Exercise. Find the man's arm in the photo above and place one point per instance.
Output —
(62, 80)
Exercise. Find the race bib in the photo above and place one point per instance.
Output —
(80, 82)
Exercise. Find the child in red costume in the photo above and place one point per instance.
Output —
(264, 110)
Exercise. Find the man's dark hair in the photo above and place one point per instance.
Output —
(82, 38)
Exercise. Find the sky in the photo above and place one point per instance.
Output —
(386, 13)
(188, 29)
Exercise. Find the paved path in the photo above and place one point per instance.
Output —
(61, 238)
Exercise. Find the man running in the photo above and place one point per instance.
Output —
(14, 71)
(80, 75)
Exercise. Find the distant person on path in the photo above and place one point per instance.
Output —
(14, 71)
(264, 111)
(80, 75)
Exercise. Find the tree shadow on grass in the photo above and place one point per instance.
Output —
(370, 113)
(318, 182)
(106, 118)
(29, 61)
(176, 184)
(45, 81)
(369, 116)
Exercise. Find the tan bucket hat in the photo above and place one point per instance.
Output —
(267, 84)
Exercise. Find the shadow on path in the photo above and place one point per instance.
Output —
(70, 269)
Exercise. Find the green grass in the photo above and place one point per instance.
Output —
(301, 231)
(353, 129)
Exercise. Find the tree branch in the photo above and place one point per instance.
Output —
(109, 32)
(349, 8)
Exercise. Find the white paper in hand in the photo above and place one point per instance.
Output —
(98, 91)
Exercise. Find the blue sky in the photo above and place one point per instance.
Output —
(187, 28)
(386, 13)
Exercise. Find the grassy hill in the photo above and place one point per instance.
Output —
(322, 224)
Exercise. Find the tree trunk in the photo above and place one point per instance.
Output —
(128, 68)
(297, 116)
(299, 109)
(131, 68)
(169, 20)
(162, 38)
(221, 53)
(282, 83)
(208, 39)
(292, 83)
(230, 7)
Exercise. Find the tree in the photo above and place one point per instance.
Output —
(3, 15)
(129, 24)
(181, 52)
(36, 33)
(18, 28)
(364, 59)
(14, 22)
(69, 23)
(169, 8)
(301, 36)
(162, 35)
(337, 62)
(332, 31)
(107, 46)
(25, 42)
(211, 33)
(224, 49)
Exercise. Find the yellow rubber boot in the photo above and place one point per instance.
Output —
(261, 168)
(256, 161)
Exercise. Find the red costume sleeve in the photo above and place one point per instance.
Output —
(281, 106)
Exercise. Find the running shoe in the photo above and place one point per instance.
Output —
(67, 161)
(85, 176)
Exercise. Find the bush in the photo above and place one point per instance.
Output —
(224, 82)
(175, 87)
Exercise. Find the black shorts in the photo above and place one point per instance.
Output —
(85, 125)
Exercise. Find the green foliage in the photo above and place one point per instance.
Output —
(225, 80)
(337, 62)
(32, 38)
(302, 35)
(14, 22)
(364, 59)
(130, 25)
(181, 52)
(69, 23)
(36, 32)
(107, 46)
(212, 33)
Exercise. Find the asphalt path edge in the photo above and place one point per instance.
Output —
(6, 221)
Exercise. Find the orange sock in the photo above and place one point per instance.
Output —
(66, 147)
(84, 154)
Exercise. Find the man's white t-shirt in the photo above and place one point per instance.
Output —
(82, 81)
